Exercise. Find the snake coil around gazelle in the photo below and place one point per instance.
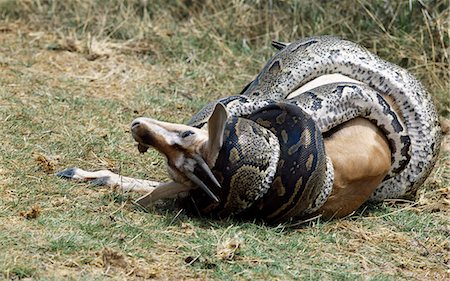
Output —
(412, 128)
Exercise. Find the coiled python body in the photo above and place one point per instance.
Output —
(415, 144)
(265, 173)
(305, 60)
(304, 175)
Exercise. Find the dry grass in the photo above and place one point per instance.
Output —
(74, 73)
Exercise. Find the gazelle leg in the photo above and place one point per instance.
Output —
(110, 179)
(164, 190)
(153, 190)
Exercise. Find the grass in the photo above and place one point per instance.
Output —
(73, 74)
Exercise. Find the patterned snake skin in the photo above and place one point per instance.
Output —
(265, 173)
(412, 129)
(305, 60)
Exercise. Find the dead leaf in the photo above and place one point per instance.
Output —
(112, 258)
(33, 213)
(93, 56)
(66, 44)
(188, 228)
(46, 162)
(229, 248)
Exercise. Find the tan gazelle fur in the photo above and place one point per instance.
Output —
(361, 159)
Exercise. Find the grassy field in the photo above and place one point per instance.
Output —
(73, 74)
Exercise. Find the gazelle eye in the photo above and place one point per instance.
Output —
(186, 134)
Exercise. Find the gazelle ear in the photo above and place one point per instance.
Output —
(216, 127)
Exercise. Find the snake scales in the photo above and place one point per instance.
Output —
(274, 164)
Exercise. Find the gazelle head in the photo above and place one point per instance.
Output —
(185, 147)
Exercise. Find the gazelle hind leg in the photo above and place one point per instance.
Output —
(152, 190)
(110, 179)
